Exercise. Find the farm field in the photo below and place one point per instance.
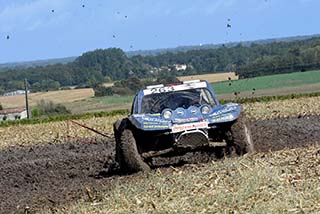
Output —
(25, 135)
(124, 102)
(159, 107)
(82, 100)
(301, 89)
(269, 82)
(59, 167)
(96, 104)
(54, 96)
(283, 84)
(277, 182)
(218, 77)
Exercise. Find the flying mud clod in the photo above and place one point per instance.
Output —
(175, 119)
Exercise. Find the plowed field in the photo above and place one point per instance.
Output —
(63, 169)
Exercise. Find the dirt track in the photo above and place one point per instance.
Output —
(52, 175)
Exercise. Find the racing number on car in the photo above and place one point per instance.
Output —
(162, 90)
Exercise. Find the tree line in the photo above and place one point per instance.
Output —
(106, 65)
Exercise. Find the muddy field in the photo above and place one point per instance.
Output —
(53, 175)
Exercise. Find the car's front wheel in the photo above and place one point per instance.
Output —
(128, 156)
(241, 140)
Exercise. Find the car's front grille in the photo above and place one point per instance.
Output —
(192, 140)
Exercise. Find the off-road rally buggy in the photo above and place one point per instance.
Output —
(174, 119)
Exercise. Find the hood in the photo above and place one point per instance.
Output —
(156, 122)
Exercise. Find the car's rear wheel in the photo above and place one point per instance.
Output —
(128, 156)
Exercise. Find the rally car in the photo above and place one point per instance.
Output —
(174, 119)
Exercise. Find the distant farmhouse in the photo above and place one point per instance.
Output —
(17, 92)
(13, 114)
(180, 67)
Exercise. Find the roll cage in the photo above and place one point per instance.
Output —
(137, 106)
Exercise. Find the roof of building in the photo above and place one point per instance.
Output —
(12, 111)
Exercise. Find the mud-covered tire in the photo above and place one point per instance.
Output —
(117, 126)
(241, 137)
(129, 159)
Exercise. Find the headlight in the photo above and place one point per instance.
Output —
(180, 113)
(167, 114)
(205, 110)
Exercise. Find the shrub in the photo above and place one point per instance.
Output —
(65, 88)
(49, 108)
(35, 112)
(101, 91)
(122, 91)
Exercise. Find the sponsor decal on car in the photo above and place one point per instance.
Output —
(186, 120)
(181, 87)
(189, 126)
(223, 111)
(222, 118)
(155, 127)
(153, 119)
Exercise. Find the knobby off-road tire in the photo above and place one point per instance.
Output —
(129, 158)
(118, 128)
(241, 137)
(127, 154)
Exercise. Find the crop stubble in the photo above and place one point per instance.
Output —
(49, 165)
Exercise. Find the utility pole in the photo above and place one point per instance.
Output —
(26, 96)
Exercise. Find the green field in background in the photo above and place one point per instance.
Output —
(117, 99)
(268, 82)
(257, 83)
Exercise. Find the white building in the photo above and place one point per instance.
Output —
(17, 92)
(13, 114)
(180, 67)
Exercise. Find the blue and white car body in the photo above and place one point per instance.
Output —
(175, 119)
(200, 116)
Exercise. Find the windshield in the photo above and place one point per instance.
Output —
(156, 103)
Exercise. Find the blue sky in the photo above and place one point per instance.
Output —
(36, 32)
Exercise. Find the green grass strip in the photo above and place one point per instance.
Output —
(267, 82)
(270, 98)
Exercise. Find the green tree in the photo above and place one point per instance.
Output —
(101, 91)
(94, 67)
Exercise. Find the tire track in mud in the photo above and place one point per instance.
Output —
(281, 133)
(48, 175)
(51, 175)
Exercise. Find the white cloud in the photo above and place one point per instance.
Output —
(31, 15)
